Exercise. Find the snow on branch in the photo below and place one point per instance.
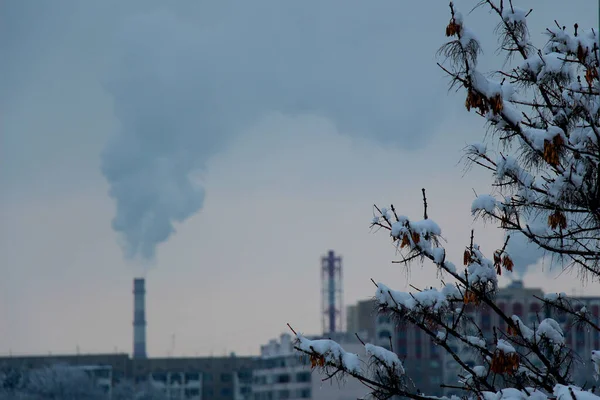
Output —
(548, 329)
(562, 303)
(481, 271)
(543, 110)
(484, 202)
(429, 299)
(322, 351)
(571, 392)
(386, 358)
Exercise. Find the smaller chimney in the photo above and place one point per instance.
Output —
(139, 318)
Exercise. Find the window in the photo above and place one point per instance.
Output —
(303, 377)
(159, 376)
(579, 338)
(102, 373)
(304, 360)
(283, 378)
(534, 308)
(263, 396)
(193, 392)
(401, 347)
(518, 309)
(245, 374)
(208, 393)
(486, 321)
(284, 394)
(207, 377)
(225, 377)
(192, 376)
(226, 392)
(304, 393)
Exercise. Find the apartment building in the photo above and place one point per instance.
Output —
(428, 365)
(361, 317)
(283, 374)
(422, 358)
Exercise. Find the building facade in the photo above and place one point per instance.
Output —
(100, 375)
(428, 365)
(206, 378)
(361, 318)
(283, 374)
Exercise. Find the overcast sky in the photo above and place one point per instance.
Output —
(293, 119)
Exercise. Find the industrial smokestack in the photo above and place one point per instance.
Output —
(139, 318)
(331, 280)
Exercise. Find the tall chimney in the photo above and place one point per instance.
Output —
(139, 318)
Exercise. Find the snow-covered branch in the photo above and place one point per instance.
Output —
(543, 108)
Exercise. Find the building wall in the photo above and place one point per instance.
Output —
(524, 302)
(583, 340)
(352, 318)
(422, 358)
(340, 389)
(120, 363)
(366, 316)
(221, 377)
(283, 374)
(101, 376)
(429, 365)
(208, 378)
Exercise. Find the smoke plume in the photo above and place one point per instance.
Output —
(523, 253)
(185, 84)
(526, 254)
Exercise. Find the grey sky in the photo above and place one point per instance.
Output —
(296, 116)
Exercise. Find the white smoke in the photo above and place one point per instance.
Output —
(184, 85)
(525, 254)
